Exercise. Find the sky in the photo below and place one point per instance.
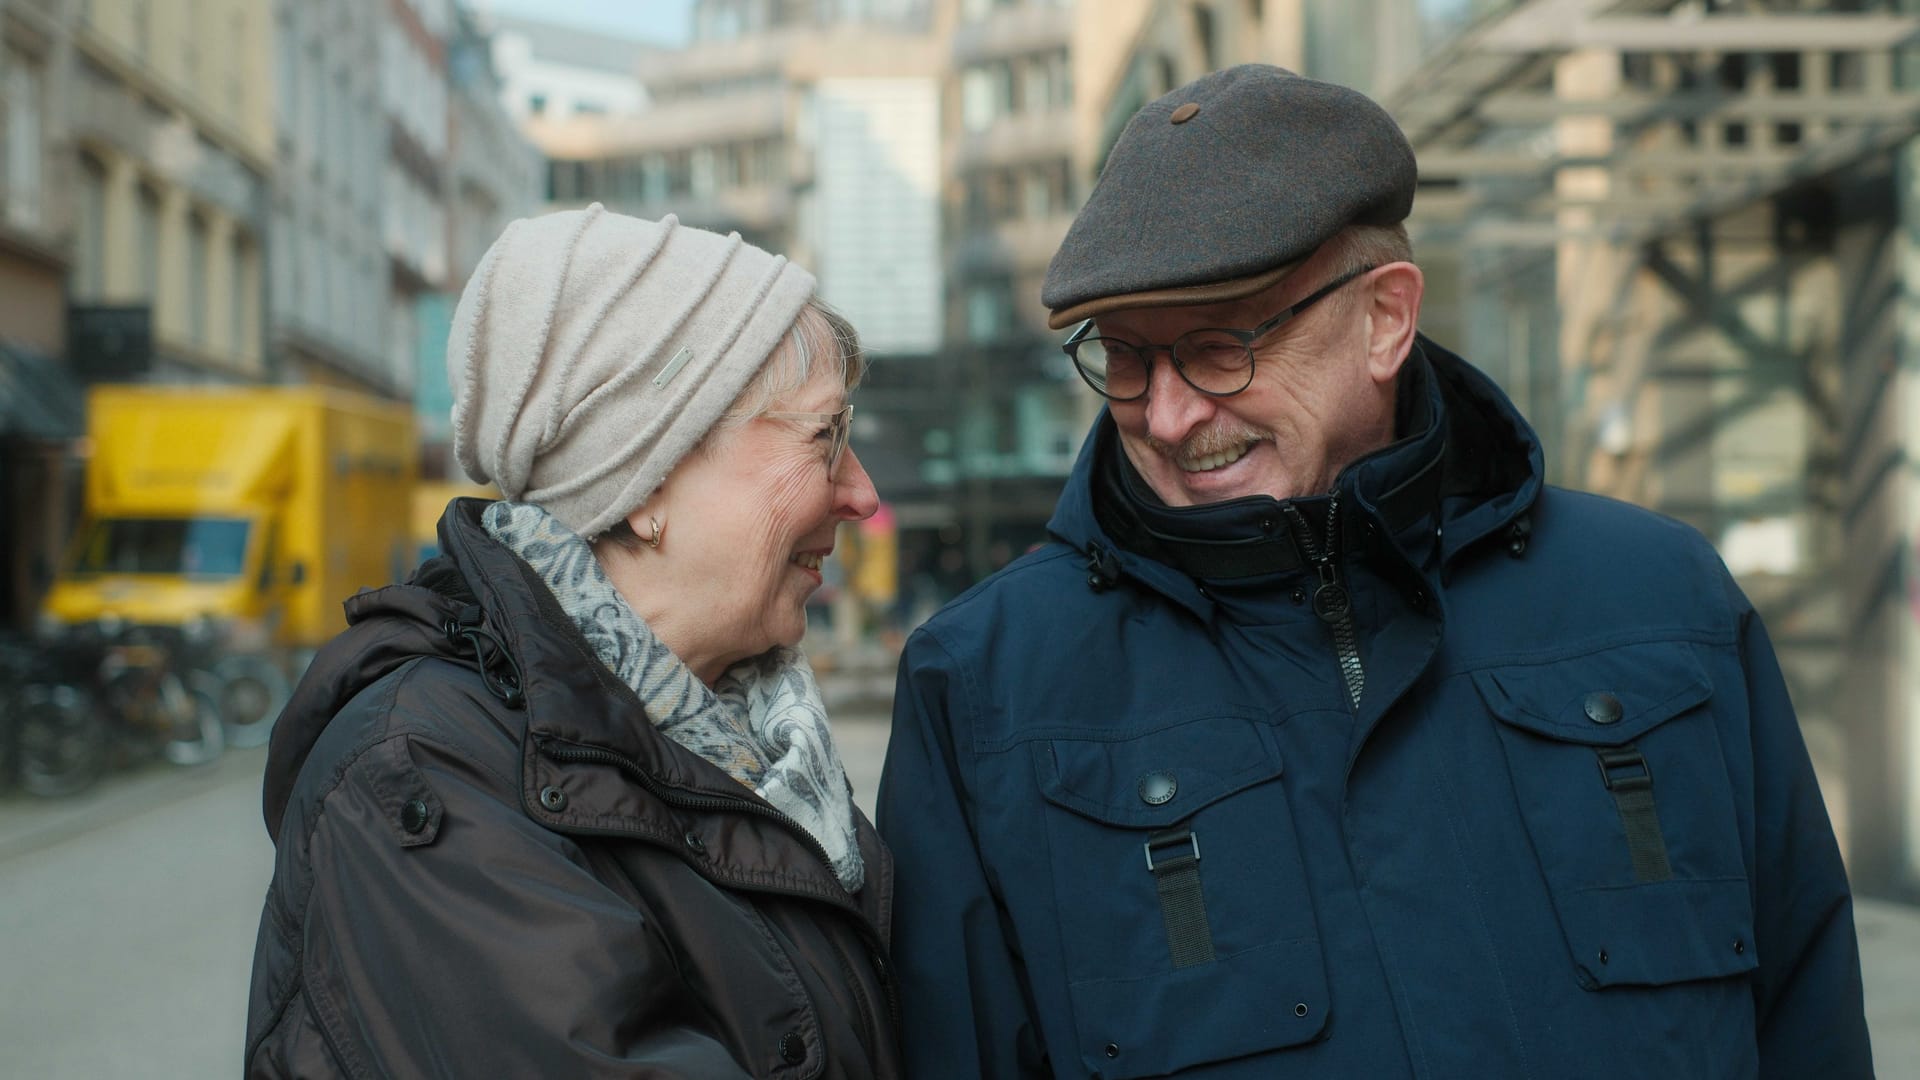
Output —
(662, 22)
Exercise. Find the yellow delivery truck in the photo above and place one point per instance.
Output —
(234, 521)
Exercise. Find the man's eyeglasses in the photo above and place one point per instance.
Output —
(839, 428)
(1215, 362)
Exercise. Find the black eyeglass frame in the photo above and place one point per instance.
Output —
(1071, 346)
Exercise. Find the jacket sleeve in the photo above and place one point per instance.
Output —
(1807, 994)
(481, 944)
(966, 1010)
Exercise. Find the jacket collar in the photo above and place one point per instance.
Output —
(1465, 465)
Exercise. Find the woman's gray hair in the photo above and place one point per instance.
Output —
(819, 334)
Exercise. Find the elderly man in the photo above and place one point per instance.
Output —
(1328, 740)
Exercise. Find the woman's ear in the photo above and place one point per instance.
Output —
(1393, 317)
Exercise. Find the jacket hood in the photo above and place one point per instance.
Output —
(1468, 466)
(386, 628)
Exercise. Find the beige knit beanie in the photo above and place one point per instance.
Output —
(590, 351)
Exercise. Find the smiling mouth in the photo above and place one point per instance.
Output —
(810, 560)
(1214, 461)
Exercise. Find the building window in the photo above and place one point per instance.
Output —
(983, 96)
(987, 312)
(239, 305)
(146, 234)
(90, 276)
(23, 142)
(197, 279)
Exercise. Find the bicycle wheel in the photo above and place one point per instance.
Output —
(63, 741)
(252, 692)
(194, 733)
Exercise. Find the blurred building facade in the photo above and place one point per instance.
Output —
(548, 70)
(170, 108)
(328, 286)
(40, 405)
(414, 94)
(228, 191)
(1011, 193)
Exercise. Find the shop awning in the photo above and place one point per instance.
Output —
(39, 397)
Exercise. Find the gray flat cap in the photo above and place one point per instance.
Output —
(1215, 190)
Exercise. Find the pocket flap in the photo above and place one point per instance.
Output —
(1153, 779)
(1264, 999)
(1661, 933)
(1604, 698)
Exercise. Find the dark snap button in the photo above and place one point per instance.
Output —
(413, 816)
(695, 844)
(1603, 956)
(1603, 708)
(552, 797)
(1739, 946)
(1300, 1009)
(793, 1048)
(1158, 788)
(1299, 596)
(1113, 1050)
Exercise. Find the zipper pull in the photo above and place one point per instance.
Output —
(1330, 600)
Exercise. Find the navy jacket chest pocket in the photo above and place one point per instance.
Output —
(1622, 782)
(1186, 923)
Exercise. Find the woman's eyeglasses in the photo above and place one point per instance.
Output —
(839, 430)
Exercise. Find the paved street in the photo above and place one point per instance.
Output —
(127, 920)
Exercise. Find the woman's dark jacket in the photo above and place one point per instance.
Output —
(1456, 775)
(491, 864)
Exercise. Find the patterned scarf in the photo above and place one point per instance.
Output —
(762, 723)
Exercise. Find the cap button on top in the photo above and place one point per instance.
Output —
(1157, 788)
(1603, 708)
(1185, 113)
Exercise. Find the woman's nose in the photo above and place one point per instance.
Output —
(854, 496)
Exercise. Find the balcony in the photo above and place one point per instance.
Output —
(753, 210)
(1015, 139)
(1010, 247)
(1012, 32)
(742, 58)
(117, 115)
(679, 125)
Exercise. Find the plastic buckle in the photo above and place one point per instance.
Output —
(1172, 840)
(1622, 759)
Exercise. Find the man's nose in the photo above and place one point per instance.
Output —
(1174, 407)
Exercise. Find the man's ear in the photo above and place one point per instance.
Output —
(1393, 315)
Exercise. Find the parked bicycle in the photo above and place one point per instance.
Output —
(101, 696)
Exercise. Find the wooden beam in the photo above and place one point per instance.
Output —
(1722, 33)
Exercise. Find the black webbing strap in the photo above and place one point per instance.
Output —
(1624, 770)
(1173, 856)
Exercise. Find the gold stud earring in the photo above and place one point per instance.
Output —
(654, 540)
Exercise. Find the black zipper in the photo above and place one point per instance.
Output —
(685, 800)
(1331, 600)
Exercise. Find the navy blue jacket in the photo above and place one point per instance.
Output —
(1535, 805)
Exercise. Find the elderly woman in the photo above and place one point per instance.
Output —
(565, 803)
